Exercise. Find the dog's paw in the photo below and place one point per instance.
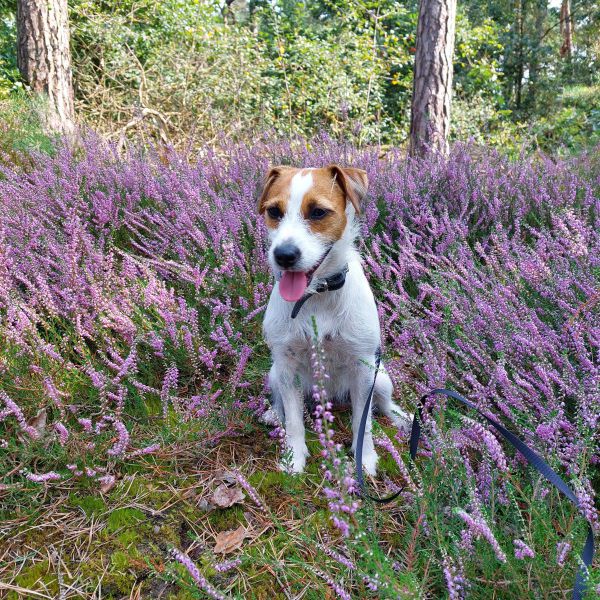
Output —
(369, 461)
(294, 460)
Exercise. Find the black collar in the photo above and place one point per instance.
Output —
(329, 284)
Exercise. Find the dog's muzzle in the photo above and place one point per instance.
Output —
(287, 255)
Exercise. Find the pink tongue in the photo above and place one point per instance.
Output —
(292, 285)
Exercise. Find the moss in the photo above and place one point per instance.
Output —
(31, 577)
(230, 518)
(91, 505)
(128, 537)
(128, 488)
(119, 560)
(123, 517)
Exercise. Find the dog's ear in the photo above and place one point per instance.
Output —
(270, 178)
(354, 183)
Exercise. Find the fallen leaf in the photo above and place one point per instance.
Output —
(39, 421)
(107, 483)
(226, 476)
(37, 424)
(230, 541)
(225, 496)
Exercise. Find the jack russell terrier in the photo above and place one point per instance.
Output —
(310, 215)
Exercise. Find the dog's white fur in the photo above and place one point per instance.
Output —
(348, 330)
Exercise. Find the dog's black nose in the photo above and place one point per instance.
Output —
(286, 255)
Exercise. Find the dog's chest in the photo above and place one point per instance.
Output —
(336, 352)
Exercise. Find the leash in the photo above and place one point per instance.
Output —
(534, 459)
(335, 282)
(361, 438)
(329, 284)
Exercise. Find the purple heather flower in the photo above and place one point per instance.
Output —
(480, 529)
(455, 581)
(250, 490)
(63, 433)
(192, 569)
(123, 439)
(562, 549)
(227, 565)
(143, 451)
(340, 558)
(522, 550)
(43, 477)
(336, 587)
(86, 424)
(15, 410)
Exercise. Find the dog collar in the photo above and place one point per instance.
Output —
(329, 284)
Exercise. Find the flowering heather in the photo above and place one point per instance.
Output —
(562, 549)
(454, 580)
(199, 579)
(522, 550)
(340, 592)
(341, 487)
(479, 528)
(43, 477)
(227, 565)
(132, 290)
(250, 490)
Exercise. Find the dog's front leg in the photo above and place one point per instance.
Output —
(360, 386)
(281, 380)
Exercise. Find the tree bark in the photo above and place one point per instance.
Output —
(541, 13)
(566, 28)
(44, 58)
(432, 85)
(520, 54)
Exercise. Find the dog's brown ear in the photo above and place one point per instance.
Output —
(354, 183)
(270, 178)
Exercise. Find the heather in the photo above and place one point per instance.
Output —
(132, 374)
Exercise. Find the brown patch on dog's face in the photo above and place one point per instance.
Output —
(324, 206)
(276, 194)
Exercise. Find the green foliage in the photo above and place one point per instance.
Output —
(575, 122)
(200, 69)
(90, 505)
(21, 128)
(9, 74)
(277, 68)
(124, 517)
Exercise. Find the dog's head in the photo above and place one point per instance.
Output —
(306, 211)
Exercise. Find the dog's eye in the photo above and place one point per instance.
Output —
(318, 213)
(274, 212)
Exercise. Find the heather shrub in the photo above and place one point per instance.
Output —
(131, 297)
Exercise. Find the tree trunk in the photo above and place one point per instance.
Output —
(520, 54)
(566, 28)
(432, 85)
(541, 14)
(44, 58)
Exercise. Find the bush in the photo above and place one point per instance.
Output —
(573, 124)
(133, 299)
(21, 127)
(204, 74)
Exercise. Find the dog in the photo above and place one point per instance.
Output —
(311, 216)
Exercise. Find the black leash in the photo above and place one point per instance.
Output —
(335, 282)
(361, 438)
(329, 284)
(534, 459)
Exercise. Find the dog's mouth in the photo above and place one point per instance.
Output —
(293, 284)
